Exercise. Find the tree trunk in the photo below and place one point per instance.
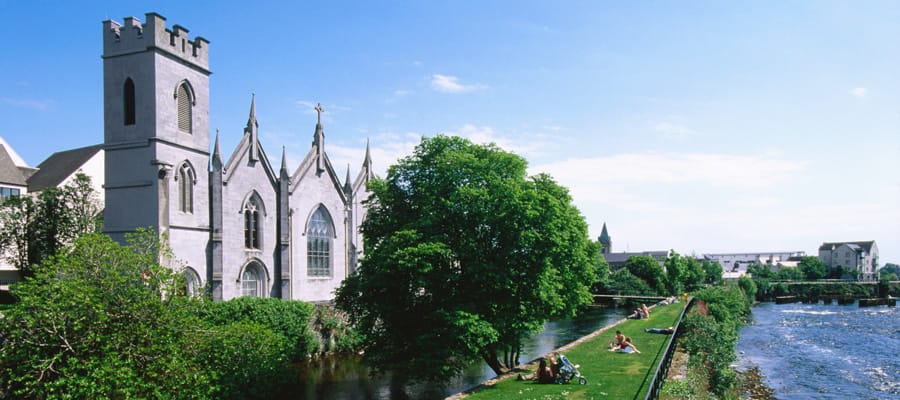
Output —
(489, 355)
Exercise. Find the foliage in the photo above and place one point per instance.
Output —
(648, 269)
(99, 321)
(287, 318)
(35, 228)
(711, 339)
(464, 256)
(694, 275)
(676, 273)
(761, 271)
(890, 271)
(713, 271)
(624, 282)
(749, 287)
(813, 268)
(790, 274)
(603, 273)
(334, 331)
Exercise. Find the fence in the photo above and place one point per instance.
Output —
(663, 367)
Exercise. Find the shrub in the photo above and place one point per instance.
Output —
(288, 318)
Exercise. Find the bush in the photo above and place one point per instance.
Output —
(287, 318)
(246, 360)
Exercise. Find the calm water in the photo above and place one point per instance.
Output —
(808, 351)
(345, 378)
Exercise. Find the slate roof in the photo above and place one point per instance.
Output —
(867, 246)
(10, 174)
(60, 165)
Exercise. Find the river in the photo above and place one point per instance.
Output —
(815, 351)
(345, 377)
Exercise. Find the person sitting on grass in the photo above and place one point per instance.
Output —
(546, 372)
(646, 310)
(619, 339)
(668, 331)
(628, 347)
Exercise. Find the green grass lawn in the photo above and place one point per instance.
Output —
(611, 375)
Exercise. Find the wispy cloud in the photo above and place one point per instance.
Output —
(451, 84)
(712, 171)
(671, 130)
(526, 145)
(858, 91)
(39, 105)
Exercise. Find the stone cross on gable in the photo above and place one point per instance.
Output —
(319, 111)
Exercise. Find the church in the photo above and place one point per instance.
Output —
(237, 226)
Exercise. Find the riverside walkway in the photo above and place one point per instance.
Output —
(610, 374)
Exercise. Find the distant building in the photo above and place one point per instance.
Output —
(617, 260)
(60, 169)
(734, 265)
(859, 257)
(14, 174)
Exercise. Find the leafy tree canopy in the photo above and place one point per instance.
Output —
(813, 268)
(648, 269)
(34, 228)
(464, 255)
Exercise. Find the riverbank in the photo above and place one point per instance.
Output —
(609, 374)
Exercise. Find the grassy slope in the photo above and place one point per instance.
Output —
(610, 375)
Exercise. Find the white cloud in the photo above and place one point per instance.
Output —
(858, 91)
(451, 84)
(525, 145)
(670, 130)
(39, 105)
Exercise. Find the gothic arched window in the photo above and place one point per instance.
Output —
(185, 180)
(128, 101)
(251, 223)
(192, 282)
(318, 244)
(253, 281)
(185, 109)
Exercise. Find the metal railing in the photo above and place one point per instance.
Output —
(663, 367)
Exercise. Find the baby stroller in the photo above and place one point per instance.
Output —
(569, 371)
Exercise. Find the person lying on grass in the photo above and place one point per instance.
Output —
(668, 331)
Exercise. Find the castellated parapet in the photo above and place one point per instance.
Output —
(132, 36)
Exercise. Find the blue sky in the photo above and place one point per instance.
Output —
(704, 127)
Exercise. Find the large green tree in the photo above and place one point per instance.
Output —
(33, 228)
(812, 267)
(649, 270)
(465, 255)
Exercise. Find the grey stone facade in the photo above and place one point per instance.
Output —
(238, 227)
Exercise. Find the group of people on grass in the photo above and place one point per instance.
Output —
(642, 312)
(547, 372)
(548, 367)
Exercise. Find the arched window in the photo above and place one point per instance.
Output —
(251, 223)
(128, 101)
(185, 111)
(192, 282)
(185, 180)
(318, 244)
(253, 281)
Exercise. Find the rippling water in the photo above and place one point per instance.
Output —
(809, 351)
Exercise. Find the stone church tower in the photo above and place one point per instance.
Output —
(156, 133)
(237, 227)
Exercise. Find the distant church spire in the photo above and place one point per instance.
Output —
(605, 240)
(348, 188)
(283, 159)
(217, 155)
(251, 129)
(319, 138)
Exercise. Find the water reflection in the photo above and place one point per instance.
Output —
(344, 377)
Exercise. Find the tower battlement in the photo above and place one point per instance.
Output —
(132, 36)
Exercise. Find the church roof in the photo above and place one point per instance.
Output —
(9, 172)
(59, 166)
